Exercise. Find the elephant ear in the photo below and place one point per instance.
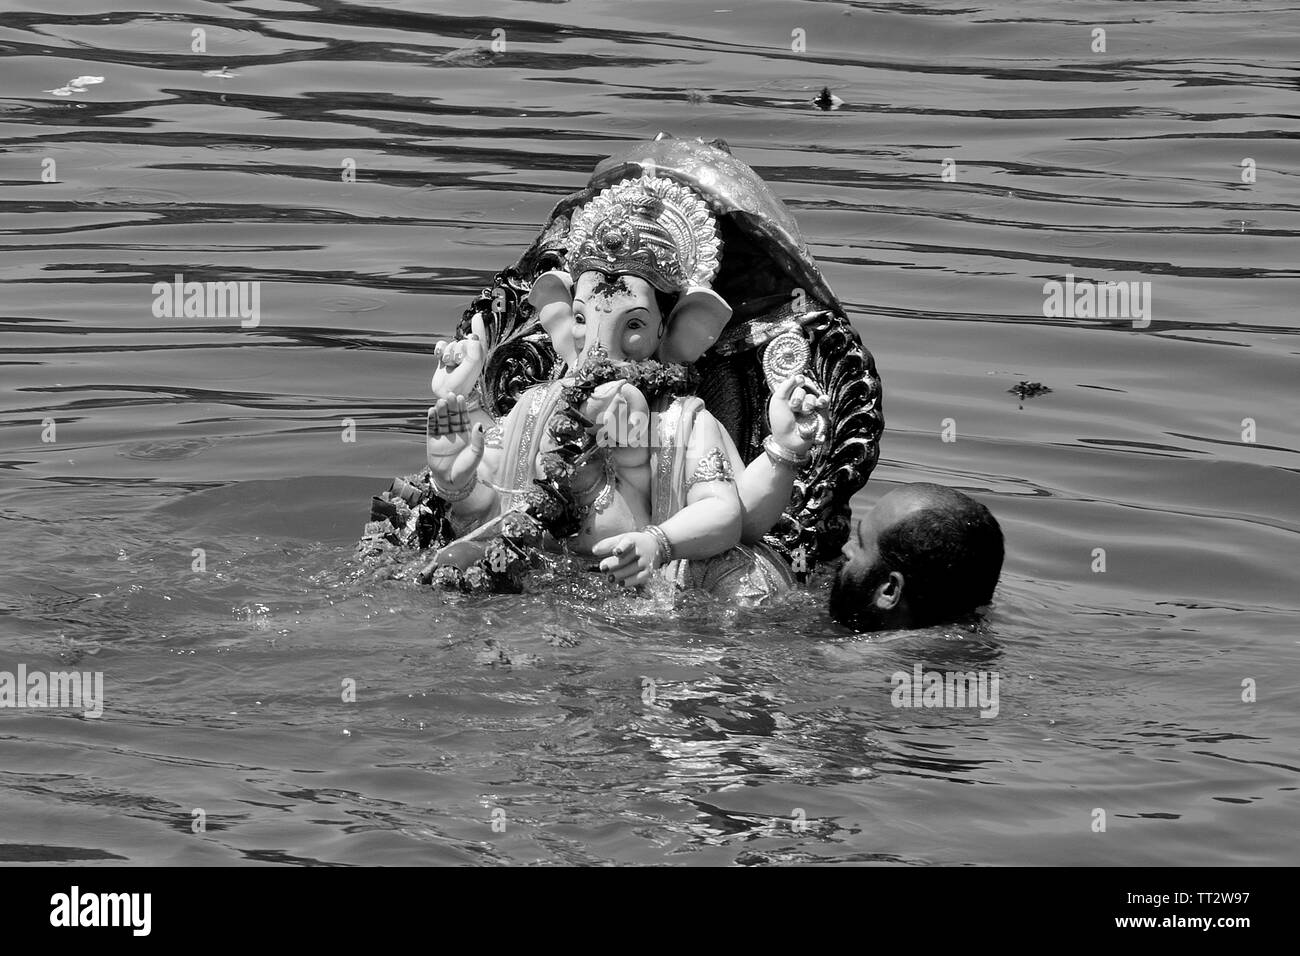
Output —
(552, 298)
(694, 324)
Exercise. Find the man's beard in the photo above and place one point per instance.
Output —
(851, 594)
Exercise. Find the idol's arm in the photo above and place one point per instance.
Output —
(712, 520)
(796, 412)
(709, 524)
(764, 488)
(458, 367)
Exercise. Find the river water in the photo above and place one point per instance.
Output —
(770, 735)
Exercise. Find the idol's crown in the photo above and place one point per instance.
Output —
(650, 227)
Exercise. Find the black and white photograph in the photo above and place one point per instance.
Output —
(645, 433)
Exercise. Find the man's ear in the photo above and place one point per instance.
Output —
(889, 594)
(552, 297)
(695, 323)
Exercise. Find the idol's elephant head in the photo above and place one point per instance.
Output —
(626, 316)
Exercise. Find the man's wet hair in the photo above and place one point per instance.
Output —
(950, 555)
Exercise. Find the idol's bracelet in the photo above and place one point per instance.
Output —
(783, 456)
(665, 546)
(453, 495)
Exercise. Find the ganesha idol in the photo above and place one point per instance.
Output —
(662, 389)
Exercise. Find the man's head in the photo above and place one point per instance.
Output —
(923, 555)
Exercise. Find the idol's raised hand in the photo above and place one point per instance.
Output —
(458, 365)
(454, 446)
(797, 413)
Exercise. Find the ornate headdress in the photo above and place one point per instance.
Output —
(650, 227)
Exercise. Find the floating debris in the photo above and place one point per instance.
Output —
(77, 84)
(695, 97)
(826, 100)
(468, 56)
(497, 654)
(558, 636)
(1023, 390)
